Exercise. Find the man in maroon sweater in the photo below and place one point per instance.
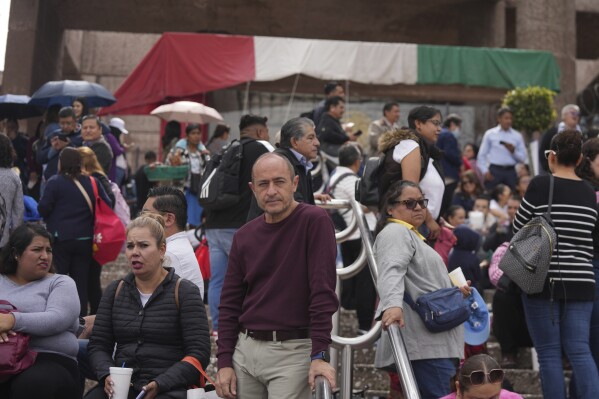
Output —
(279, 294)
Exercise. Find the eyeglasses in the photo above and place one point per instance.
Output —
(479, 377)
(411, 204)
(467, 182)
(435, 122)
(547, 152)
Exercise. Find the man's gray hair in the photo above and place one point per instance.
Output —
(294, 128)
(570, 108)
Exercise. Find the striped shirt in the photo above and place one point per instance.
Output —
(574, 214)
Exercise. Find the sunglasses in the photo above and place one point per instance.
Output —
(411, 204)
(479, 377)
(467, 182)
(547, 152)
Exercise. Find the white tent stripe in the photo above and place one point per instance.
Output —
(362, 62)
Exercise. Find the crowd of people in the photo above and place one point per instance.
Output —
(273, 255)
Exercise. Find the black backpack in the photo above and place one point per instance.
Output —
(219, 185)
(368, 187)
(367, 190)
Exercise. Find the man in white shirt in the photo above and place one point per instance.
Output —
(501, 149)
(170, 203)
(389, 121)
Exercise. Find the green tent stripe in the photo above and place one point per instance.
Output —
(487, 67)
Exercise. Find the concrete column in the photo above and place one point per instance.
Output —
(551, 25)
(34, 50)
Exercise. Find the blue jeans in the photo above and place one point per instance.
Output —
(219, 242)
(571, 335)
(595, 316)
(433, 376)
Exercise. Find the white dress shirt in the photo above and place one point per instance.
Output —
(182, 258)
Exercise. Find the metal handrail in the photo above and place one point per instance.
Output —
(366, 256)
(322, 388)
(402, 362)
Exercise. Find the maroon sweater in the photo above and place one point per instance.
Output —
(281, 276)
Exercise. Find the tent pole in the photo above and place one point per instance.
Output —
(347, 97)
(246, 98)
(292, 96)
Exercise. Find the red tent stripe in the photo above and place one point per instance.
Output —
(182, 66)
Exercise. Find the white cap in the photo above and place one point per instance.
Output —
(119, 124)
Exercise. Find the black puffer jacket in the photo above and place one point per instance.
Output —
(152, 339)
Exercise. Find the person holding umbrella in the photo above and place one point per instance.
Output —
(80, 108)
(91, 132)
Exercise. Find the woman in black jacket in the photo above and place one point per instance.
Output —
(156, 320)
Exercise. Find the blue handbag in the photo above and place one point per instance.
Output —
(441, 310)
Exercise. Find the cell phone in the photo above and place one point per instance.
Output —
(503, 142)
(141, 394)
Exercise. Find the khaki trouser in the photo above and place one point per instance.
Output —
(272, 369)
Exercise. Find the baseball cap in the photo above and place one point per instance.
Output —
(478, 326)
(119, 124)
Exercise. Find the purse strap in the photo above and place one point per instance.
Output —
(198, 366)
(407, 298)
(85, 195)
(6, 303)
(551, 184)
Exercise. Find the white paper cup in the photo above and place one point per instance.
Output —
(121, 377)
(457, 277)
(477, 219)
(197, 393)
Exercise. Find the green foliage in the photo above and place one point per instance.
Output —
(532, 108)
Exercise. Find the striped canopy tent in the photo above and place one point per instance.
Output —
(183, 66)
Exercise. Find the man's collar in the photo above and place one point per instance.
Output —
(302, 160)
(181, 234)
(387, 122)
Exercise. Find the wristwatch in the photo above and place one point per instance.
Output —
(324, 355)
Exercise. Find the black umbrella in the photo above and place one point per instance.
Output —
(15, 106)
(64, 92)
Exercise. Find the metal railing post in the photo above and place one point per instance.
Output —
(402, 362)
(322, 389)
(400, 354)
(347, 369)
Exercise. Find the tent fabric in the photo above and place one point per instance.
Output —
(475, 66)
(183, 66)
(362, 62)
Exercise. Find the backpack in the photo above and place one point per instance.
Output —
(367, 191)
(335, 214)
(528, 257)
(369, 186)
(121, 208)
(219, 185)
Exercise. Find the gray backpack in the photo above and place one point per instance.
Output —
(527, 260)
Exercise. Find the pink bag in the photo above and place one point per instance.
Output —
(15, 355)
